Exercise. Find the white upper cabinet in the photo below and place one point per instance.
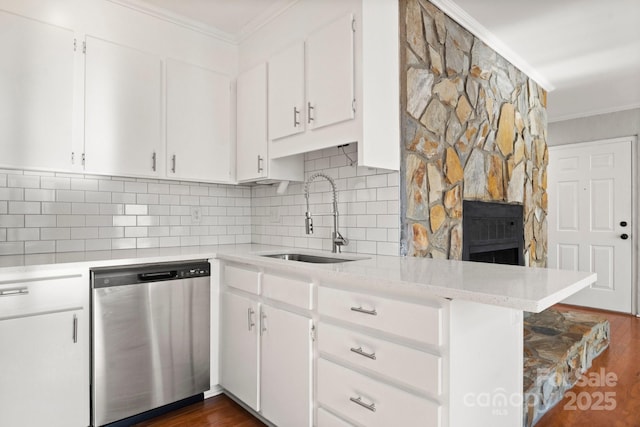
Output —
(329, 94)
(286, 92)
(198, 123)
(330, 68)
(36, 83)
(350, 73)
(251, 133)
(123, 110)
(253, 161)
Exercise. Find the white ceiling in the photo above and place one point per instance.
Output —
(586, 52)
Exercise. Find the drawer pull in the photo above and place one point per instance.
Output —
(358, 401)
(361, 352)
(14, 292)
(365, 311)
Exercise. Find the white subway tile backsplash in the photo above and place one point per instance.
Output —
(97, 197)
(110, 232)
(55, 183)
(56, 208)
(39, 221)
(39, 247)
(136, 210)
(126, 198)
(110, 186)
(85, 209)
(71, 221)
(135, 187)
(69, 196)
(124, 221)
(70, 245)
(11, 248)
(23, 181)
(111, 209)
(73, 212)
(58, 233)
(22, 234)
(11, 194)
(84, 233)
(136, 232)
(32, 208)
(84, 184)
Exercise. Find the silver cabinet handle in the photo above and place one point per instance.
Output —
(153, 161)
(296, 117)
(263, 323)
(260, 159)
(250, 322)
(358, 401)
(361, 352)
(75, 329)
(309, 109)
(365, 311)
(14, 292)
(173, 163)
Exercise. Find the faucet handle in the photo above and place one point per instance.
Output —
(340, 240)
(308, 223)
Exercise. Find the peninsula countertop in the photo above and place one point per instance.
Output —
(523, 288)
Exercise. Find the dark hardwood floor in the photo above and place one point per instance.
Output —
(622, 358)
(218, 411)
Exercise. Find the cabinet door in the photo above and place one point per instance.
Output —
(44, 371)
(36, 83)
(330, 74)
(251, 131)
(239, 347)
(123, 109)
(285, 389)
(198, 123)
(286, 92)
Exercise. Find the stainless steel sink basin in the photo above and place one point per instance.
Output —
(314, 259)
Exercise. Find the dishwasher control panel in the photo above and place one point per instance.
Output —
(143, 273)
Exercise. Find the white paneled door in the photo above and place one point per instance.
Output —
(590, 218)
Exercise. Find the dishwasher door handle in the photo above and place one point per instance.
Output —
(157, 275)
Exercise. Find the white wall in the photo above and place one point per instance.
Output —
(594, 128)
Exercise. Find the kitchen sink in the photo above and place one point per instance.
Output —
(314, 259)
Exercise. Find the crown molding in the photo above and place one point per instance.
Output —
(592, 113)
(246, 31)
(264, 18)
(174, 18)
(459, 15)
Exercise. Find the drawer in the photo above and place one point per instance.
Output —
(417, 322)
(327, 419)
(413, 367)
(370, 402)
(29, 297)
(292, 291)
(243, 279)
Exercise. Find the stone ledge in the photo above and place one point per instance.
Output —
(558, 348)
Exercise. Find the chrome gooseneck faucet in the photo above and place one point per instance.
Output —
(336, 238)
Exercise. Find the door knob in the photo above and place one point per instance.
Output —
(624, 236)
(623, 223)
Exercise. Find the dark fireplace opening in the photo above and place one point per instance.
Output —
(493, 233)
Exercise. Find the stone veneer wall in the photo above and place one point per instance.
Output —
(474, 128)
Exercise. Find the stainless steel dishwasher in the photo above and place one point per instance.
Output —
(150, 337)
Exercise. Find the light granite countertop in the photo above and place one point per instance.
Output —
(523, 288)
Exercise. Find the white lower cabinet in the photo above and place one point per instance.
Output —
(44, 361)
(369, 402)
(266, 345)
(239, 347)
(285, 380)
